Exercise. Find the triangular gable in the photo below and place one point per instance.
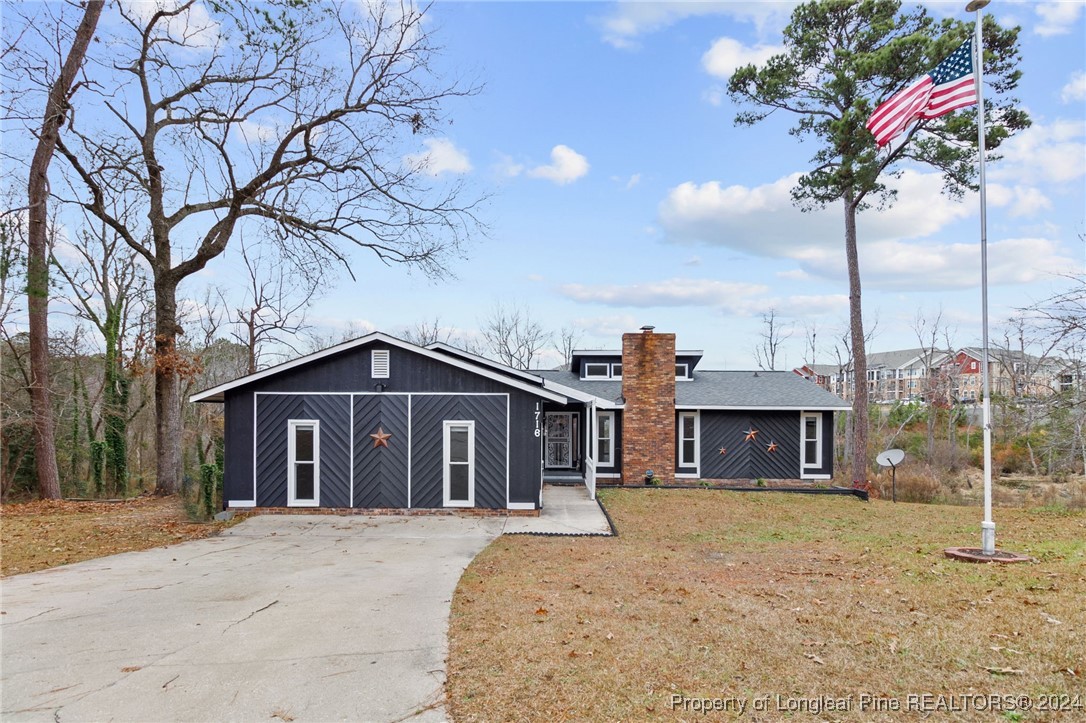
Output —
(504, 375)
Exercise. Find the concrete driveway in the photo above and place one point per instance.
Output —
(280, 618)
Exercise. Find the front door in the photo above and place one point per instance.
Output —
(560, 439)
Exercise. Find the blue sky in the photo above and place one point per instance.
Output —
(622, 193)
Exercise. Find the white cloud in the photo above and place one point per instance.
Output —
(894, 264)
(507, 167)
(793, 275)
(1075, 90)
(728, 54)
(729, 297)
(441, 156)
(670, 292)
(633, 181)
(1022, 200)
(1057, 18)
(566, 166)
(763, 220)
(629, 20)
(1043, 153)
(193, 29)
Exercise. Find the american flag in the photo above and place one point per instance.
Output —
(951, 85)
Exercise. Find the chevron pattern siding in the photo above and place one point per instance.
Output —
(273, 411)
(427, 414)
(750, 460)
(724, 429)
(380, 473)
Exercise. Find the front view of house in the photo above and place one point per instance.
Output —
(378, 422)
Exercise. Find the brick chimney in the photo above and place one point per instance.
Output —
(648, 420)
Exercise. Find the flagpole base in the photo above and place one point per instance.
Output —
(987, 537)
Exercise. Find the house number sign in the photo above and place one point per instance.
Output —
(537, 426)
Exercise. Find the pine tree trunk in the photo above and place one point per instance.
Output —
(859, 353)
(37, 263)
(167, 388)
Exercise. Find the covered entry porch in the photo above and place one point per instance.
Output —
(579, 444)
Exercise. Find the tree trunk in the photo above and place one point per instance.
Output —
(167, 388)
(859, 353)
(37, 263)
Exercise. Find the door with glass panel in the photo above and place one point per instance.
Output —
(559, 430)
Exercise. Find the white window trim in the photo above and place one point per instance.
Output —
(292, 500)
(817, 464)
(446, 428)
(380, 364)
(686, 371)
(617, 365)
(606, 370)
(611, 439)
(697, 439)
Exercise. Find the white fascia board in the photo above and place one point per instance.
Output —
(732, 408)
(482, 361)
(580, 396)
(215, 393)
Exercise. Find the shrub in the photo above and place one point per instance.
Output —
(913, 485)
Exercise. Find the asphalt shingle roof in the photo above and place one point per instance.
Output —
(744, 390)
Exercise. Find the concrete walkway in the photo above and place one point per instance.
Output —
(280, 618)
(566, 511)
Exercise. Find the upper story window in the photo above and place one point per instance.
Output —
(596, 370)
(682, 371)
(601, 370)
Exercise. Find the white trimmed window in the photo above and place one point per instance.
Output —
(597, 370)
(616, 371)
(303, 463)
(459, 463)
(682, 371)
(605, 439)
(688, 439)
(379, 364)
(812, 440)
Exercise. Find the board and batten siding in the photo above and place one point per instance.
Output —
(336, 380)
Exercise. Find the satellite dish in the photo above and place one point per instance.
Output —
(890, 458)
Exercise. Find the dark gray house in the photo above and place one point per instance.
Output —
(378, 422)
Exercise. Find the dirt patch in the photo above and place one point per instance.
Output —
(736, 596)
(46, 533)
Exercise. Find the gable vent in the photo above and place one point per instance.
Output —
(379, 364)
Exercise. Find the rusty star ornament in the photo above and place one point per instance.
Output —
(752, 435)
(771, 447)
(380, 438)
(723, 450)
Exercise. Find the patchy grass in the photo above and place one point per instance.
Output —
(717, 594)
(47, 533)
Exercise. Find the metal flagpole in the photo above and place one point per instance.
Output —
(987, 527)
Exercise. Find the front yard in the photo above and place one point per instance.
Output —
(734, 597)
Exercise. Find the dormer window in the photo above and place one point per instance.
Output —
(682, 371)
(596, 370)
(616, 371)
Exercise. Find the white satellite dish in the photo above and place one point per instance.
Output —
(890, 458)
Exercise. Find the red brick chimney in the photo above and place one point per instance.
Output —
(648, 420)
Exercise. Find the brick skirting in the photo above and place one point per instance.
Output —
(383, 511)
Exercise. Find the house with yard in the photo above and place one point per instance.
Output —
(378, 422)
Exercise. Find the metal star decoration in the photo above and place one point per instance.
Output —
(380, 438)
(771, 447)
(723, 450)
(752, 435)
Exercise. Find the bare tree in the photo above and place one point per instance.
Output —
(810, 349)
(567, 340)
(211, 118)
(427, 332)
(109, 290)
(513, 337)
(773, 335)
(277, 297)
(936, 391)
(57, 105)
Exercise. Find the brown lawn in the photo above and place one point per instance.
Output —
(41, 534)
(735, 596)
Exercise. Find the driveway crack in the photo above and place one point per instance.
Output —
(258, 610)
